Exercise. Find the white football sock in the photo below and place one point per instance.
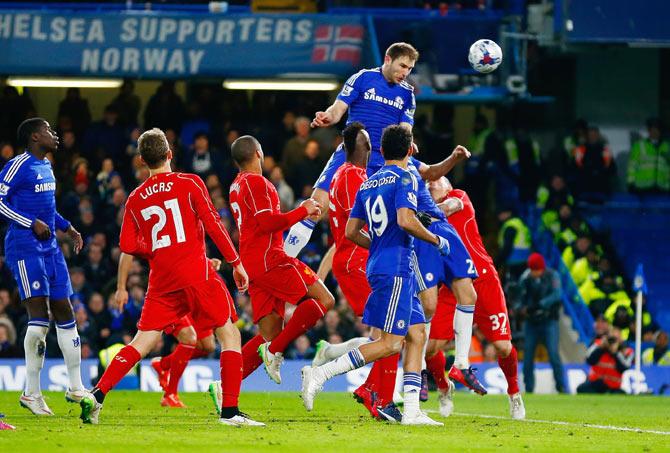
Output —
(463, 331)
(334, 351)
(349, 361)
(411, 389)
(35, 346)
(70, 345)
(298, 237)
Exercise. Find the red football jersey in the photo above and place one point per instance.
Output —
(171, 211)
(251, 194)
(466, 226)
(343, 188)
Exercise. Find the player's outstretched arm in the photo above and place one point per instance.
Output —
(269, 222)
(451, 206)
(354, 232)
(332, 115)
(436, 171)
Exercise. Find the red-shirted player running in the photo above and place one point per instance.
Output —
(173, 210)
(491, 309)
(274, 277)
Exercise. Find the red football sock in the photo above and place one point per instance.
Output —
(197, 353)
(250, 358)
(372, 382)
(180, 357)
(122, 362)
(166, 361)
(436, 366)
(231, 377)
(303, 319)
(510, 367)
(387, 375)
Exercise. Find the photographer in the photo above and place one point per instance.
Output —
(540, 305)
(609, 358)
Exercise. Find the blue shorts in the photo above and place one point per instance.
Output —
(337, 159)
(393, 305)
(41, 275)
(436, 268)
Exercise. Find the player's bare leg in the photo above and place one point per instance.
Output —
(231, 377)
(466, 297)
(317, 302)
(436, 363)
(124, 361)
(326, 264)
(508, 362)
(34, 345)
(300, 233)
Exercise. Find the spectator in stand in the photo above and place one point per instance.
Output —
(195, 124)
(104, 176)
(127, 103)
(76, 108)
(593, 166)
(540, 305)
(286, 195)
(106, 138)
(102, 318)
(8, 348)
(81, 290)
(68, 153)
(301, 349)
(602, 289)
(609, 357)
(96, 269)
(649, 162)
(306, 170)
(165, 109)
(294, 149)
(514, 242)
(85, 326)
(659, 354)
(203, 160)
(523, 155)
(14, 108)
(6, 153)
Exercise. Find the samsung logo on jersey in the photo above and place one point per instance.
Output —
(45, 187)
(370, 95)
(372, 183)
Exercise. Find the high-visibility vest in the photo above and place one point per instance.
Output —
(580, 270)
(648, 358)
(522, 240)
(606, 370)
(477, 144)
(649, 165)
(512, 151)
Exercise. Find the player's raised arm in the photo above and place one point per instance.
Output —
(436, 171)
(269, 222)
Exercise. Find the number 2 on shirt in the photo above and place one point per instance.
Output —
(164, 241)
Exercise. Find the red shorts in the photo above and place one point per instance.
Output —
(490, 311)
(286, 282)
(355, 287)
(208, 303)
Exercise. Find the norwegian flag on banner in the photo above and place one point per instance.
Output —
(333, 43)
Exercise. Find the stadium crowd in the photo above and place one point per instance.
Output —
(96, 167)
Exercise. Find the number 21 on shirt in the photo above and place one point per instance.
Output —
(159, 242)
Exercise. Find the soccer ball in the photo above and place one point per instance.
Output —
(485, 56)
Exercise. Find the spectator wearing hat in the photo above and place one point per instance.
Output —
(539, 304)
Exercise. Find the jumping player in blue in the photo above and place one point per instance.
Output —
(28, 203)
(377, 97)
(387, 203)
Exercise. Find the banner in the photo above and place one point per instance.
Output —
(200, 373)
(164, 45)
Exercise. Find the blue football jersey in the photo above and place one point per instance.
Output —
(376, 103)
(425, 202)
(27, 193)
(377, 202)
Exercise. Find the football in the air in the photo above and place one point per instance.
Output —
(485, 56)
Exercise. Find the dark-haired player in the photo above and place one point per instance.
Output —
(28, 203)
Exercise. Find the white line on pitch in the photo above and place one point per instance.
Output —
(556, 422)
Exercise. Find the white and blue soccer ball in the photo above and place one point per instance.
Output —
(485, 56)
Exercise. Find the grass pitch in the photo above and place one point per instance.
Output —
(134, 421)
